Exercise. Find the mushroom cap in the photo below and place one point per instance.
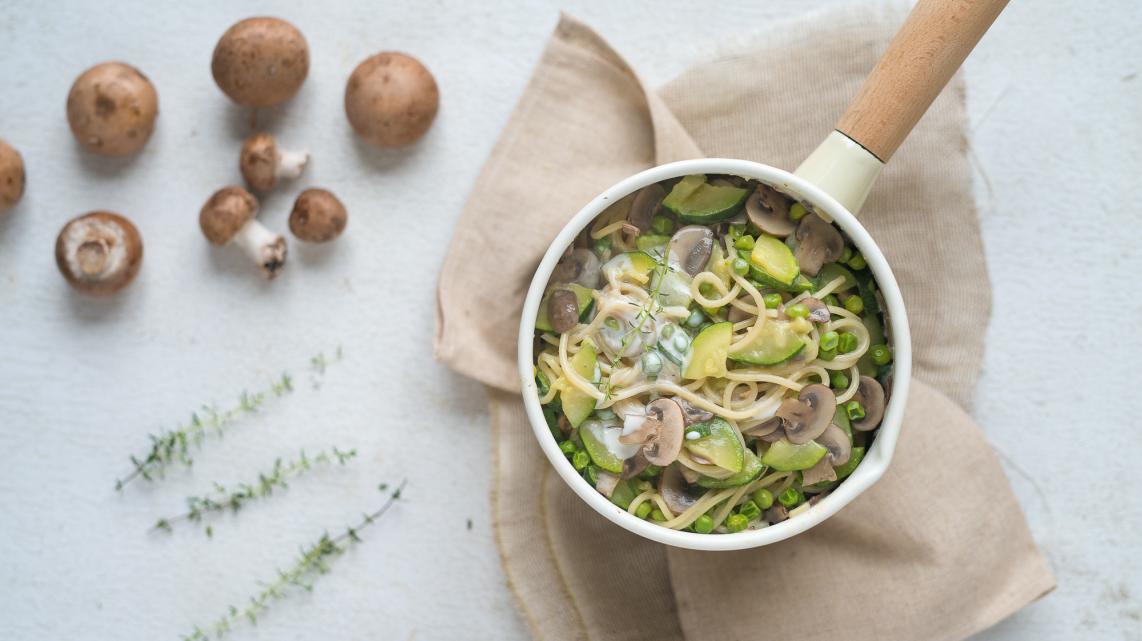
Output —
(818, 310)
(663, 449)
(258, 161)
(838, 443)
(871, 397)
(692, 413)
(769, 210)
(690, 247)
(646, 203)
(634, 465)
(391, 99)
(809, 415)
(675, 491)
(578, 265)
(563, 310)
(318, 216)
(769, 426)
(260, 62)
(227, 211)
(818, 243)
(99, 252)
(111, 109)
(12, 176)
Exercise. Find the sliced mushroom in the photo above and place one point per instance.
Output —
(606, 483)
(776, 513)
(766, 427)
(870, 395)
(579, 266)
(639, 431)
(809, 415)
(818, 311)
(692, 413)
(663, 449)
(690, 248)
(563, 310)
(821, 472)
(645, 205)
(737, 315)
(769, 210)
(838, 443)
(565, 425)
(678, 494)
(818, 243)
(634, 465)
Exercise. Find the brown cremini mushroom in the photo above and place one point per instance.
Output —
(12, 176)
(674, 490)
(663, 449)
(391, 99)
(111, 109)
(771, 425)
(776, 513)
(818, 243)
(578, 265)
(262, 162)
(318, 216)
(838, 443)
(563, 310)
(871, 397)
(807, 416)
(690, 248)
(692, 413)
(646, 204)
(634, 465)
(769, 210)
(260, 62)
(229, 216)
(99, 253)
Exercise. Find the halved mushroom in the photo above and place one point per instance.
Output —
(678, 494)
(818, 311)
(769, 210)
(639, 429)
(646, 203)
(580, 266)
(766, 427)
(563, 310)
(606, 483)
(838, 443)
(663, 449)
(737, 315)
(692, 413)
(690, 248)
(809, 415)
(820, 473)
(870, 395)
(776, 513)
(634, 465)
(818, 243)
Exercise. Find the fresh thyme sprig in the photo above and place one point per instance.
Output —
(312, 562)
(224, 498)
(174, 445)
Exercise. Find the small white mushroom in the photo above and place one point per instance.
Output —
(262, 162)
(229, 217)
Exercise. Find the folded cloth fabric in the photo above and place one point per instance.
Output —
(938, 549)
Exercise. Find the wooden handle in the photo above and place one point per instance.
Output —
(920, 60)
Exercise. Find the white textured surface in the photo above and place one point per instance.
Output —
(1054, 99)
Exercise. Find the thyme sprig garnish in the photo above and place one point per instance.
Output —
(312, 561)
(175, 445)
(226, 499)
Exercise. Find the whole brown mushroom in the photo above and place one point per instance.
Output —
(262, 162)
(111, 109)
(230, 216)
(99, 253)
(391, 99)
(317, 216)
(12, 176)
(260, 62)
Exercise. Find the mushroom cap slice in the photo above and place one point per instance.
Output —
(691, 247)
(646, 203)
(768, 426)
(678, 494)
(391, 99)
(12, 176)
(563, 310)
(111, 109)
(776, 513)
(663, 449)
(692, 413)
(818, 310)
(809, 415)
(769, 210)
(818, 243)
(579, 265)
(634, 465)
(225, 213)
(821, 472)
(99, 253)
(639, 432)
(260, 62)
(871, 397)
(838, 443)
(606, 483)
(318, 216)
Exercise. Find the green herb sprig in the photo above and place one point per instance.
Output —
(226, 499)
(312, 561)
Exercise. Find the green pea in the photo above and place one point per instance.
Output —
(791, 497)
(838, 379)
(643, 510)
(772, 301)
(745, 243)
(827, 354)
(854, 304)
(797, 211)
(854, 410)
(568, 447)
(591, 474)
(704, 524)
(763, 498)
(797, 310)
(657, 515)
(581, 460)
(736, 523)
(707, 290)
(651, 363)
(848, 343)
(829, 340)
(749, 510)
(602, 245)
(880, 354)
(831, 301)
(740, 267)
(857, 262)
(662, 225)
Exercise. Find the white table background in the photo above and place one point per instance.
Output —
(1054, 101)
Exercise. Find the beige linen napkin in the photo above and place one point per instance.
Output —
(938, 549)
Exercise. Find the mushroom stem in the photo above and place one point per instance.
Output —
(263, 246)
(291, 163)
